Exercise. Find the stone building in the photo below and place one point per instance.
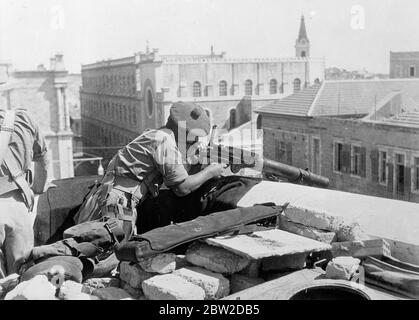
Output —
(362, 135)
(404, 64)
(120, 98)
(43, 92)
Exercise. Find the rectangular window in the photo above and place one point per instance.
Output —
(316, 156)
(280, 151)
(382, 167)
(416, 174)
(338, 156)
(356, 160)
(412, 71)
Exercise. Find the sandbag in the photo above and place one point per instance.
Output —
(166, 238)
(392, 275)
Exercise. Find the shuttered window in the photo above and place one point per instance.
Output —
(382, 167)
(416, 174)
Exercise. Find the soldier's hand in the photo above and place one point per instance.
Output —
(216, 169)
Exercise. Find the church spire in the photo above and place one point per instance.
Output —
(303, 32)
(302, 45)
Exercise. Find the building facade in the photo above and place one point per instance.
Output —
(43, 92)
(404, 65)
(120, 98)
(360, 146)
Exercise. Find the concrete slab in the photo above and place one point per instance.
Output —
(379, 217)
(271, 243)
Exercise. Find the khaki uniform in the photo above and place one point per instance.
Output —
(137, 171)
(16, 232)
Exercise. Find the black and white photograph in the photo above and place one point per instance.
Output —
(220, 151)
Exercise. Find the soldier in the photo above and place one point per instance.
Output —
(20, 143)
(139, 169)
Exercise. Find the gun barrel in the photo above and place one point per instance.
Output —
(294, 174)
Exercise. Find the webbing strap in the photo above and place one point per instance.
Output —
(6, 130)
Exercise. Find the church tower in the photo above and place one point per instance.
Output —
(302, 45)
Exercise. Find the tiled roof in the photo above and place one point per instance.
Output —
(406, 119)
(296, 104)
(348, 97)
(360, 97)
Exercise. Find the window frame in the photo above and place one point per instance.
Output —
(273, 84)
(413, 178)
(337, 141)
(221, 88)
(316, 137)
(380, 166)
(195, 85)
(352, 160)
(248, 84)
(412, 67)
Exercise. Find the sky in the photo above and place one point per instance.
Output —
(350, 34)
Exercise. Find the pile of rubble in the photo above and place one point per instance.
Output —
(208, 271)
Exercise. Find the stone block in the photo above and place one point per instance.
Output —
(37, 288)
(112, 293)
(171, 287)
(161, 264)
(69, 289)
(252, 269)
(181, 262)
(240, 282)
(92, 284)
(342, 268)
(284, 263)
(215, 259)
(7, 284)
(133, 274)
(137, 294)
(308, 232)
(215, 285)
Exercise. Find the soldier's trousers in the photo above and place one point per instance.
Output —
(16, 233)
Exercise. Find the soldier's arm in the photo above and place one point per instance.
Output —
(40, 176)
(193, 182)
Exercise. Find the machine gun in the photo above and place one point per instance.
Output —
(237, 159)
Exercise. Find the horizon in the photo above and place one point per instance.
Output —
(83, 31)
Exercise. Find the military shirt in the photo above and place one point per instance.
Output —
(154, 150)
(27, 143)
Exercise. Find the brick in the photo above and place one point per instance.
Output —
(133, 274)
(98, 283)
(161, 264)
(215, 285)
(308, 232)
(37, 288)
(284, 263)
(112, 293)
(240, 282)
(171, 287)
(215, 259)
(342, 268)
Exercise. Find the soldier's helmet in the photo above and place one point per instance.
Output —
(191, 117)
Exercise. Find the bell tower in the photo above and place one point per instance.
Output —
(302, 45)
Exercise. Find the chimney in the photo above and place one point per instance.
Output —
(57, 62)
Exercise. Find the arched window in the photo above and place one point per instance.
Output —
(248, 88)
(273, 86)
(259, 122)
(196, 90)
(297, 85)
(317, 81)
(232, 118)
(303, 54)
(150, 103)
(223, 88)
